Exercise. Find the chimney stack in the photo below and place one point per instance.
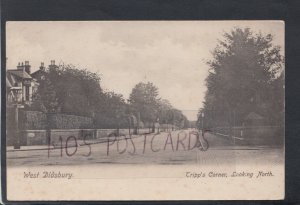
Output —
(27, 67)
(52, 64)
(20, 66)
(42, 67)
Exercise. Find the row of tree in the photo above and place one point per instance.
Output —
(70, 90)
(246, 76)
(144, 100)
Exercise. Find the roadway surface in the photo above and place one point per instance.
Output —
(175, 148)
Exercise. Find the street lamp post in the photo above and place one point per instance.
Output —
(173, 127)
(129, 118)
(202, 121)
(118, 124)
(138, 123)
(17, 134)
(233, 135)
(16, 92)
(157, 121)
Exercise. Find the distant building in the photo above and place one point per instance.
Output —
(254, 119)
(21, 84)
(39, 74)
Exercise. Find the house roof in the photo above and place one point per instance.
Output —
(20, 73)
(8, 84)
(11, 78)
(253, 116)
(36, 73)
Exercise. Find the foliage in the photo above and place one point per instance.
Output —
(68, 89)
(243, 78)
(144, 99)
(113, 111)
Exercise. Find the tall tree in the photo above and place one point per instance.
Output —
(165, 111)
(144, 100)
(113, 111)
(68, 89)
(242, 77)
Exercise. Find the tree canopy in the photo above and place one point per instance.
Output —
(70, 90)
(67, 89)
(144, 99)
(246, 75)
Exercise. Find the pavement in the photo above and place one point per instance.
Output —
(178, 147)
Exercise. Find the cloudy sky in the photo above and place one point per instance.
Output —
(171, 54)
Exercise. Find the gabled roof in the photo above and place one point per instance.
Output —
(20, 73)
(8, 84)
(11, 78)
(253, 116)
(36, 73)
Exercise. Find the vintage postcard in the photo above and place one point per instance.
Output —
(145, 110)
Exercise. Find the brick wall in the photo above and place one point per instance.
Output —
(32, 120)
(35, 120)
(62, 121)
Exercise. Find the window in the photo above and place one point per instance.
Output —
(27, 93)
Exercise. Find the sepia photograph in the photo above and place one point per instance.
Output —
(145, 110)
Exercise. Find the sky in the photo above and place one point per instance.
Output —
(170, 54)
